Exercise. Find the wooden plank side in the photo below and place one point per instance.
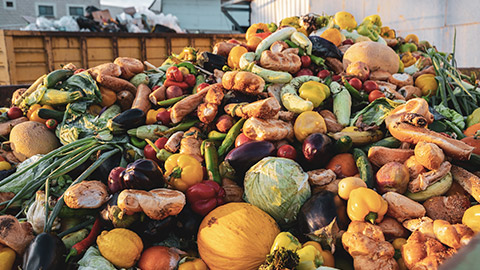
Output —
(156, 43)
(130, 52)
(4, 74)
(30, 56)
(12, 71)
(98, 42)
(29, 73)
(65, 42)
(67, 55)
(99, 54)
(27, 42)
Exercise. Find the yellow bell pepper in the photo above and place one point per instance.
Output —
(386, 32)
(408, 59)
(285, 240)
(152, 116)
(7, 258)
(345, 20)
(365, 204)
(397, 245)
(5, 166)
(471, 218)
(315, 92)
(401, 66)
(310, 258)
(183, 171)
(328, 259)
(32, 113)
(234, 56)
(347, 184)
(427, 83)
(411, 38)
(255, 29)
(293, 21)
(307, 123)
(195, 264)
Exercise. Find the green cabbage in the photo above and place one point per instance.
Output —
(93, 260)
(279, 187)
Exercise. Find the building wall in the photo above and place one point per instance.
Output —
(12, 19)
(432, 20)
(202, 15)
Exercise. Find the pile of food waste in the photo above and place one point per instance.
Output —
(316, 143)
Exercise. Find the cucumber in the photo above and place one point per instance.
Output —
(390, 142)
(364, 167)
(342, 107)
(56, 76)
(281, 34)
(343, 144)
(47, 114)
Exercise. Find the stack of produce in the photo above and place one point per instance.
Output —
(316, 144)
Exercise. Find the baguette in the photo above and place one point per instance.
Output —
(379, 155)
(469, 181)
(141, 100)
(402, 208)
(158, 95)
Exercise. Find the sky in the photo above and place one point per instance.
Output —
(126, 3)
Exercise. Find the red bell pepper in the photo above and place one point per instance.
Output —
(205, 196)
(169, 82)
(174, 74)
(263, 35)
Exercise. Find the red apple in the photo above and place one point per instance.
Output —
(115, 182)
(304, 72)
(306, 61)
(348, 41)
(336, 78)
(173, 91)
(322, 74)
(164, 117)
(241, 139)
(287, 151)
(14, 113)
(150, 153)
(356, 83)
(374, 95)
(369, 86)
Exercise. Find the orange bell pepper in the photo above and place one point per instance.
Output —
(234, 56)
(255, 29)
(32, 113)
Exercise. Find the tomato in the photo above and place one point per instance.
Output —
(241, 139)
(190, 80)
(306, 61)
(369, 86)
(287, 151)
(174, 74)
(374, 95)
(202, 86)
(356, 83)
(150, 153)
(322, 74)
(336, 78)
(160, 142)
(348, 41)
(164, 117)
(303, 72)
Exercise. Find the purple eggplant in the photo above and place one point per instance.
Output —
(317, 150)
(143, 174)
(240, 159)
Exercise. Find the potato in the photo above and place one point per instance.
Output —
(377, 56)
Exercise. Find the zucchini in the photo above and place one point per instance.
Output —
(390, 142)
(247, 62)
(47, 114)
(302, 41)
(56, 76)
(343, 144)
(281, 34)
(342, 107)
(364, 167)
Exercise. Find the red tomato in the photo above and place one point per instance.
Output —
(306, 61)
(369, 86)
(322, 74)
(336, 78)
(190, 80)
(347, 41)
(202, 86)
(160, 142)
(164, 117)
(241, 139)
(374, 95)
(287, 151)
(14, 113)
(356, 83)
(303, 72)
(174, 74)
(79, 70)
(150, 153)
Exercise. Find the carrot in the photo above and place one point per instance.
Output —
(81, 246)
(141, 100)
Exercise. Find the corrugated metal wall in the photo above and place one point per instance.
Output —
(276, 10)
(432, 20)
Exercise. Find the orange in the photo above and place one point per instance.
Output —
(470, 131)
(472, 141)
(253, 42)
(343, 165)
(332, 35)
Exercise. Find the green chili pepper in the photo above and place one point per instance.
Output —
(211, 161)
(230, 138)
(181, 127)
(352, 90)
(171, 101)
(138, 142)
(199, 80)
(215, 135)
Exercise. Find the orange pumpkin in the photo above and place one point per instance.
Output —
(236, 236)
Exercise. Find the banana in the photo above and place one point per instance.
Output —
(358, 137)
(302, 41)
(436, 189)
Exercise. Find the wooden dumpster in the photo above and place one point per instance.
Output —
(26, 55)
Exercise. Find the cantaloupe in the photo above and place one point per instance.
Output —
(31, 138)
(377, 56)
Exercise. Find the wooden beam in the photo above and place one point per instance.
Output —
(47, 46)
(84, 51)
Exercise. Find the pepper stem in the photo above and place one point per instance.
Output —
(176, 172)
(371, 217)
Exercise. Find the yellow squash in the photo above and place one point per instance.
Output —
(122, 247)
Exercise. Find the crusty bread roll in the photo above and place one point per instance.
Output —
(402, 208)
(109, 69)
(429, 155)
(129, 66)
(86, 194)
(281, 61)
(243, 81)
